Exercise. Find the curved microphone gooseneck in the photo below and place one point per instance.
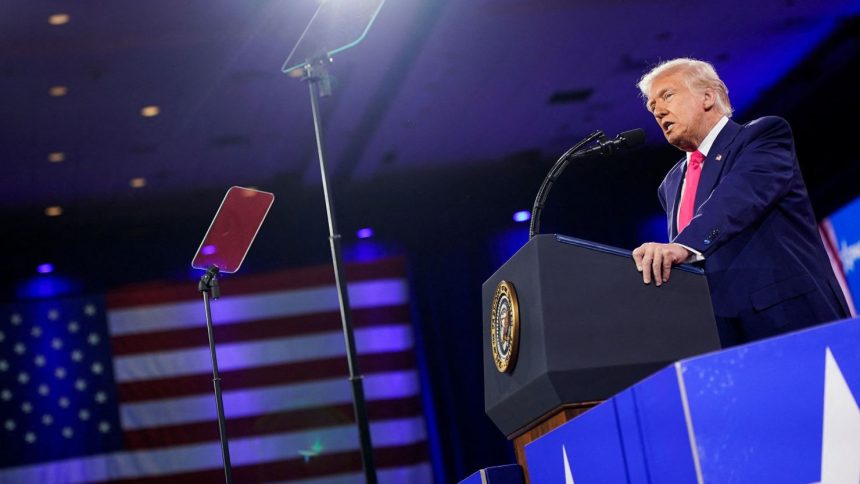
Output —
(553, 174)
(605, 147)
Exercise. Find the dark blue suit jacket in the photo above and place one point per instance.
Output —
(764, 259)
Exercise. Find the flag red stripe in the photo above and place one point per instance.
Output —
(263, 329)
(298, 468)
(272, 423)
(263, 376)
(161, 293)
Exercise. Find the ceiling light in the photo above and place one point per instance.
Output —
(58, 19)
(56, 157)
(54, 211)
(58, 91)
(522, 216)
(364, 233)
(149, 111)
(138, 182)
(45, 268)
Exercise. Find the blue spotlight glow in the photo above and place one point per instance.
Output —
(45, 268)
(653, 229)
(364, 233)
(46, 286)
(506, 244)
(522, 216)
(208, 250)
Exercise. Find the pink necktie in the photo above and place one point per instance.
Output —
(691, 181)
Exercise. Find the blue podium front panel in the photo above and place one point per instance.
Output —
(596, 443)
(662, 429)
(507, 474)
(757, 412)
(779, 410)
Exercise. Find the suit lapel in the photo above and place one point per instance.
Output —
(673, 195)
(714, 162)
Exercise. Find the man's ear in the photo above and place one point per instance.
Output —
(709, 99)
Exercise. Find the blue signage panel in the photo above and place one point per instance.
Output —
(592, 447)
(507, 474)
(779, 410)
(659, 417)
(846, 232)
(757, 411)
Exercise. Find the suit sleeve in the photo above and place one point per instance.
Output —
(760, 176)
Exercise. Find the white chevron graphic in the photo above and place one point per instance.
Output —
(840, 442)
(568, 476)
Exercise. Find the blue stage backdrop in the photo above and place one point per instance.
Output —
(120, 388)
(841, 234)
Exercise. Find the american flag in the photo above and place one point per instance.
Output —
(120, 388)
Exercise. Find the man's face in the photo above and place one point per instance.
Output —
(679, 111)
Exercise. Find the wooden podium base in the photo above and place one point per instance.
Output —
(544, 425)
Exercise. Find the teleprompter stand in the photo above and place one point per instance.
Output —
(209, 287)
(223, 249)
(336, 26)
(318, 84)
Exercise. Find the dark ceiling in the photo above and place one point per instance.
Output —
(434, 83)
(454, 88)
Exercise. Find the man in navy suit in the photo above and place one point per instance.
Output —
(737, 205)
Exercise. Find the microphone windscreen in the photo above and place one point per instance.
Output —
(634, 137)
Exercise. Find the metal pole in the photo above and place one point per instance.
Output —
(206, 284)
(316, 75)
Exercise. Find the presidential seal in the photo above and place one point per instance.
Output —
(504, 326)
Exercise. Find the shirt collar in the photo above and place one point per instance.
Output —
(705, 146)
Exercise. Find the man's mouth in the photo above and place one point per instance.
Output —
(667, 126)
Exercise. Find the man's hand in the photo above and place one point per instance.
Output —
(657, 260)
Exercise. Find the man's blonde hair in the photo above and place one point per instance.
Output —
(698, 76)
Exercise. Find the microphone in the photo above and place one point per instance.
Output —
(605, 147)
(624, 141)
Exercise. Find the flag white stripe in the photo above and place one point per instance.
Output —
(198, 457)
(238, 356)
(250, 402)
(333, 439)
(416, 474)
(247, 308)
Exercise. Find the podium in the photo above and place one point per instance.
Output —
(580, 326)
